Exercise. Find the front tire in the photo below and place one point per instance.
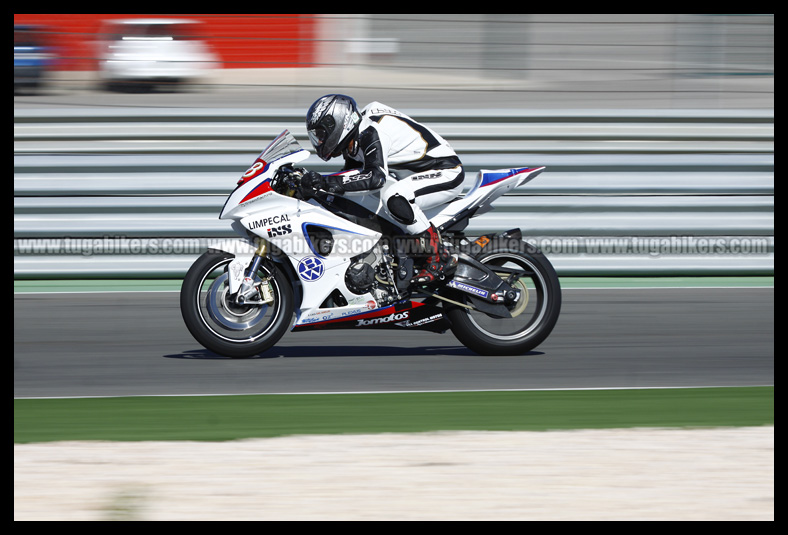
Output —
(222, 326)
(533, 315)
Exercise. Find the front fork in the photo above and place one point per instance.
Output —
(244, 289)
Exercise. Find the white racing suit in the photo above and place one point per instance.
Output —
(431, 173)
(388, 140)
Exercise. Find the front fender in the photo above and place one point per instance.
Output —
(244, 250)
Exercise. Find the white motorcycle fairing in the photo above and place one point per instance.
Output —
(285, 222)
(340, 262)
(290, 225)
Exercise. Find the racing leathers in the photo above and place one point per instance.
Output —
(430, 174)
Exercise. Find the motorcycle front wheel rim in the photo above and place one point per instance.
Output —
(226, 321)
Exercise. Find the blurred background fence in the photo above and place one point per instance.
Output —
(657, 132)
(130, 193)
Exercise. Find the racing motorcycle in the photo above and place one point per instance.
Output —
(308, 260)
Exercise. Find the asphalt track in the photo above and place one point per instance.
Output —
(135, 343)
(122, 344)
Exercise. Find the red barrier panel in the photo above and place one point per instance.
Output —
(241, 41)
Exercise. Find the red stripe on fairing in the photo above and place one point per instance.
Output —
(377, 313)
(258, 168)
(257, 191)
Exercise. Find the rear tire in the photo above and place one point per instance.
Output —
(224, 327)
(535, 313)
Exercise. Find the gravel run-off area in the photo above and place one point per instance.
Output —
(622, 474)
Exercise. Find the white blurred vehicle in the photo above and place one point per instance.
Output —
(151, 52)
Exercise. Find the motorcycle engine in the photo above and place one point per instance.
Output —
(372, 273)
(360, 278)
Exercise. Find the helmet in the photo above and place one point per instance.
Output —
(332, 122)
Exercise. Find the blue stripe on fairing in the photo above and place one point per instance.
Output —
(492, 178)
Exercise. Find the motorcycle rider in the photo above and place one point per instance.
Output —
(374, 141)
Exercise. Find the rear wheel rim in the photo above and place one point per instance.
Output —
(531, 308)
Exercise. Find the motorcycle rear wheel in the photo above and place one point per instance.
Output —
(534, 314)
(223, 326)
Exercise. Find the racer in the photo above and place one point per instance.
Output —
(379, 139)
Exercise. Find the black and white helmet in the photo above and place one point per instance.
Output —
(332, 122)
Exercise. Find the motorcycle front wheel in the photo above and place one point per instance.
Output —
(221, 325)
(533, 315)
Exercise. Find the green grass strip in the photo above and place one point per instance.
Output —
(219, 418)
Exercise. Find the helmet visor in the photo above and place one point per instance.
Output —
(317, 136)
(324, 137)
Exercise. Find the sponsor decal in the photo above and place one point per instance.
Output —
(383, 319)
(387, 317)
(279, 231)
(258, 198)
(316, 316)
(435, 174)
(468, 288)
(318, 312)
(383, 111)
(268, 222)
(359, 308)
(347, 179)
(369, 304)
(310, 269)
(422, 321)
(307, 321)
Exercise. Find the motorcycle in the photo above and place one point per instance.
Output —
(340, 262)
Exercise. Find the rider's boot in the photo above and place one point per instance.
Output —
(439, 262)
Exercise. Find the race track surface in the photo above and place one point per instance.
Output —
(127, 344)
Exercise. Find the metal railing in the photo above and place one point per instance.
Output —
(136, 192)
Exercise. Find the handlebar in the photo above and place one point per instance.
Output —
(287, 181)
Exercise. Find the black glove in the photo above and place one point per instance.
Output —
(333, 184)
(313, 181)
